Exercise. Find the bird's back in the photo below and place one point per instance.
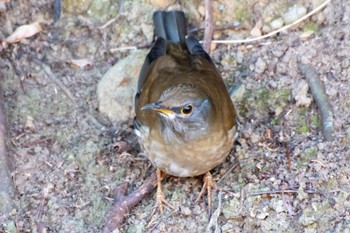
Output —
(175, 59)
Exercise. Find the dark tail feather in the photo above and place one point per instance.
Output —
(196, 48)
(170, 25)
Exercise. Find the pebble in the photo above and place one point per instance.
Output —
(299, 93)
(294, 13)
(186, 211)
(238, 92)
(260, 66)
(277, 23)
(117, 88)
(147, 30)
(256, 31)
(161, 3)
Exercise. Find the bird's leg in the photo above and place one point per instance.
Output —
(160, 196)
(208, 185)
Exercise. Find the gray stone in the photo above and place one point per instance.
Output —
(117, 87)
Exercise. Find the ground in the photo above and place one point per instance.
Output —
(65, 154)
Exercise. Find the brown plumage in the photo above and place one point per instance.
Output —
(185, 119)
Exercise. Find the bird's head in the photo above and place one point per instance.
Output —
(184, 109)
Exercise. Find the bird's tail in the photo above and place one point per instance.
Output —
(170, 25)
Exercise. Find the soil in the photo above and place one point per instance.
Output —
(67, 157)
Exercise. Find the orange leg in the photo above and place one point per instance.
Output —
(160, 196)
(208, 185)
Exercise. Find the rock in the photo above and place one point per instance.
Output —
(294, 13)
(186, 211)
(277, 23)
(260, 66)
(161, 3)
(299, 93)
(117, 87)
(30, 123)
(256, 31)
(238, 91)
(147, 30)
(262, 215)
(239, 57)
(266, 29)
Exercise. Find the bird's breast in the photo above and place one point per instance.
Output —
(186, 158)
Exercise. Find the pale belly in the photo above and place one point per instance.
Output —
(185, 159)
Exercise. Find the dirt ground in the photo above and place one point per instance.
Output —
(65, 157)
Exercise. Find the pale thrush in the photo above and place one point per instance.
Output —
(185, 119)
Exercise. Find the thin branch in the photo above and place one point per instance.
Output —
(209, 27)
(47, 69)
(285, 191)
(108, 23)
(121, 209)
(53, 77)
(228, 172)
(274, 32)
(6, 189)
(214, 218)
(216, 28)
(318, 91)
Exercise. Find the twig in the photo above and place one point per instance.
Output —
(285, 191)
(112, 50)
(228, 172)
(318, 161)
(287, 202)
(53, 77)
(108, 23)
(215, 28)
(288, 154)
(57, 8)
(209, 28)
(6, 189)
(66, 91)
(318, 91)
(122, 208)
(214, 218)
(274, 32)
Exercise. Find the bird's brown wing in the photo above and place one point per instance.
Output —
(210, 82)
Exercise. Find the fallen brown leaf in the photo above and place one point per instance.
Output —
(24, 31)
(81, 63)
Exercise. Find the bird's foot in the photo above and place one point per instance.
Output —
(209, 185)
(160, 196)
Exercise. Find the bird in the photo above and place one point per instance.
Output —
(185, 119)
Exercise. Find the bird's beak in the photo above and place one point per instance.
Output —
(156, 106)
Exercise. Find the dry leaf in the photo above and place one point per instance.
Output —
(81, 63)
(2, 6)
(30, 123)
(24, 31)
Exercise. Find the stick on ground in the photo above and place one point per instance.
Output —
(318, 91)
(6, 189)
(121, 208)
(209, 27)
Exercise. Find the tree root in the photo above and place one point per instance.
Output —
(6, 188)
(124, 204)
(318, 91)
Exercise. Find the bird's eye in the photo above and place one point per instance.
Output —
(187, 109)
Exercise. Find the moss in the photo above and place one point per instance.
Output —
(98, 209)
(310, 27)
(303, 127)
(29, 105)
(241, 12)
(316, 121)
(231, 209)
(306, 156)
